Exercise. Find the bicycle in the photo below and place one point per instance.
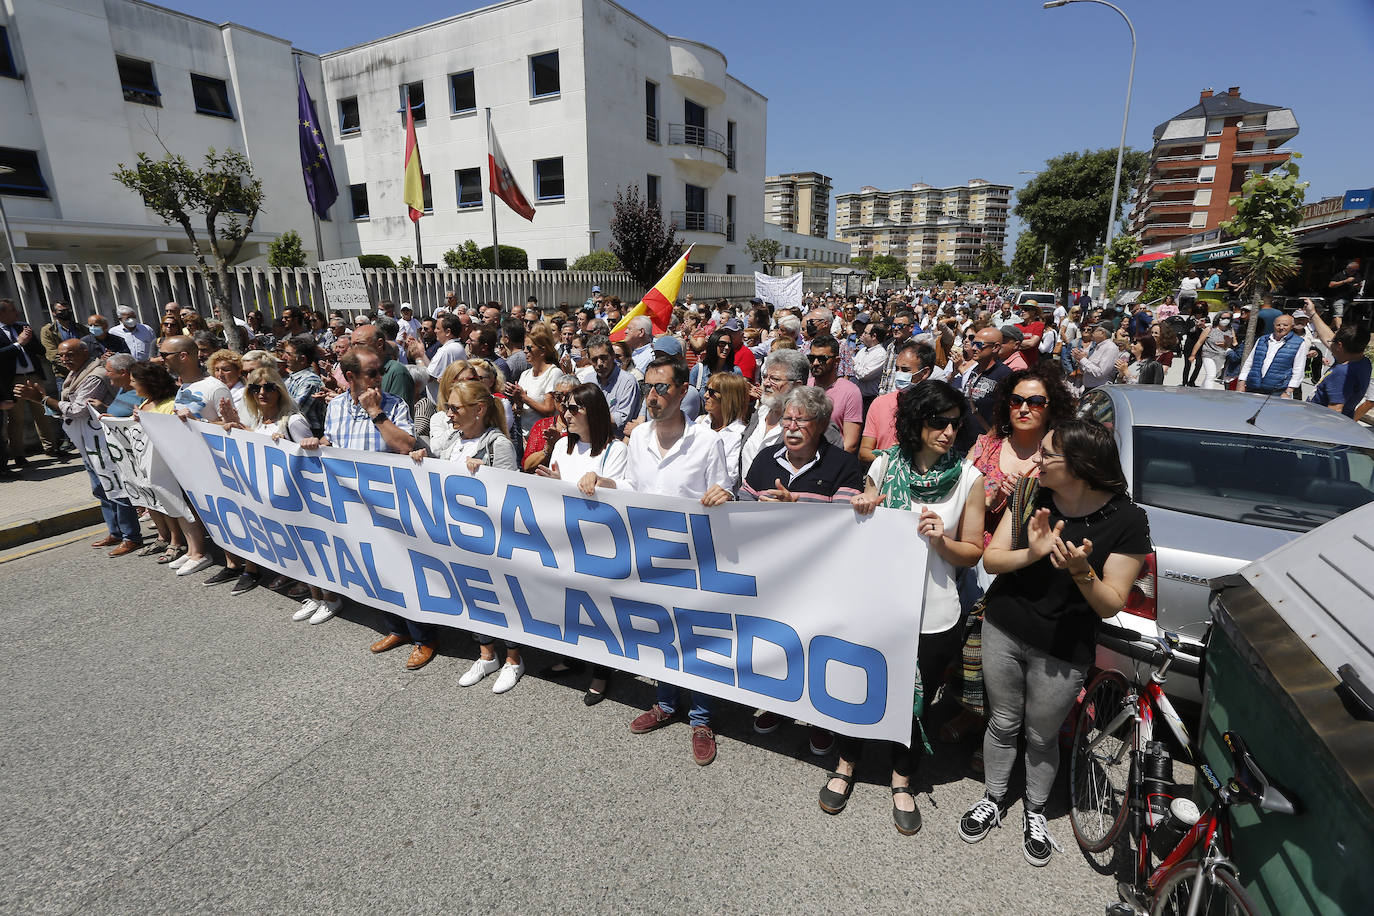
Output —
(1118, 769)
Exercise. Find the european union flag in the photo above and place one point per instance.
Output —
(315, 164)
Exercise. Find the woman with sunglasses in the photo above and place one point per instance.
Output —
(717, 356)
(171, 327)
(533, 396)
(1067, 568)
(1028, 404)
(725, 409)
(1142, 368)
(588, 452)
(539, 444)
(922, 473)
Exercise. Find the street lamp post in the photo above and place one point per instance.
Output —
(1121, 147)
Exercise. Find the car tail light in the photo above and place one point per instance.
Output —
(1142, 601)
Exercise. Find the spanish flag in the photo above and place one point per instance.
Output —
(657, 302)
(414, 188)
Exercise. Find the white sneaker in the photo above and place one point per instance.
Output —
(325, 611)
(480, 669)
(178, 562)
(195, 566)
(308, 607)
(508, 677)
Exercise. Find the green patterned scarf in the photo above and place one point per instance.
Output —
(902, 483)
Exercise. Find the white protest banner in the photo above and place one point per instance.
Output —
(89, 438)
(344, 287)
(144, 477)
(783, 292)
(767, 605)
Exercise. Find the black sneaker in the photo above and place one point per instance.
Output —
(979, 820)
(1037, 844)
(224, 575)
(247, 582)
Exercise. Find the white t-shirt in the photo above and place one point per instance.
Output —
(941, 609)
(732, 437)
(203, 398)
(538, 388)
(573, 462)
(1190, 283)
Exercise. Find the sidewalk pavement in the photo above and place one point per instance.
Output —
(53, 496)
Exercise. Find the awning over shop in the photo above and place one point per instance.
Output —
(1214, 254)
(1360, 230)
(1150, 258)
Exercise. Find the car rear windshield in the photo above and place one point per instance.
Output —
(1291, 484)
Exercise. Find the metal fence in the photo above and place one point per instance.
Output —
(147, 287)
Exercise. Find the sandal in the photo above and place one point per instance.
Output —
(172, 553)
(834, 802)
(154, 547)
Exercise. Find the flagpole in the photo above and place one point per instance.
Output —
(495, 245)
(419, 261)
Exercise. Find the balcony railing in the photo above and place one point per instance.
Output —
(1197, 155)
(651, 128)
(691, 135)
(699, 221)
(1261, 153)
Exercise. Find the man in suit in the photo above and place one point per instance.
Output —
(21, 361)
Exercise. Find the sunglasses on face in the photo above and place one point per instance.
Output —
(980, 344)
(370, 373)
(256, 390)
(818, 358)
(661, 388)
(711, 393)
(572, 408)
(1035, 401)
(453, 409)
(943, 423)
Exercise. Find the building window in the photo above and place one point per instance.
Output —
(358, 194)
(729, 268)
(7, 64)
(462, 91)
(1211, 150)
(553, 263)
(136, 79)
(211, 96)
(730, 145)
(694, 123)
(469, 182)
(544, 74)
(428, 198)
(695, 217)
(1214, 126)
(20, 175)
(651, 111)
(350, 122)
(729, 217)
(415, 94)
(1198, 221)
(1207, 174)
(548, 179)
(1202, 198)
(651, 192)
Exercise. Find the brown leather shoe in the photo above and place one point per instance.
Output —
(389, 642)
(703, 745)
(108, 540)
(419, 657)
(125, 548)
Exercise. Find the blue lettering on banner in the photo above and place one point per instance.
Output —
(448, 603)
(532, 625)
(259, 535)
(226, 474)
(282, 545)
(468, 578)
(226, 509)
(712, 579)
(577, 602)
(516, 507)
(303, 469)
(788, 688)
(483, 543)
(282, 492)
(295, 533)
(389, 595)
(649, 548)
(627, 611)
(207, 514)
(369, 476)
(575, 513)
(409, 503)
(320, 540)
(825, 649)
(246, 475)
(336, 471)
(691, 641)
(349, 572)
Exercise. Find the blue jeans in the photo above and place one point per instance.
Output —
(700, 711)
(403, 626)
(121, 518)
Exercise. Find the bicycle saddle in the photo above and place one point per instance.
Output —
(1250, 783)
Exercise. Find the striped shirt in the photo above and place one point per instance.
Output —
(347, 425)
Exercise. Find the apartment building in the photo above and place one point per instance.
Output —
(798, 202)
(924, 225)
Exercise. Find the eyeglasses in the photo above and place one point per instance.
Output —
(980, 344)
(795, 422)
(370, 373)
(660, 388)
(818, 358)
(255, 390)
(942, 423)
(711, 393)
(454, 409)
(166, 353)
(776, 380)
(572, 408)
(1035, 401)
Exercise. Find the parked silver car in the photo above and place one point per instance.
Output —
(1225, 478)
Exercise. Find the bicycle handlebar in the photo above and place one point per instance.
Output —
(1154, 650)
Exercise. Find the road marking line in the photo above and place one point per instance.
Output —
(34, 550)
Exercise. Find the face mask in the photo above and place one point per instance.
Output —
(130, 322)
(901, 380)
(1224, 322)
(97, 331)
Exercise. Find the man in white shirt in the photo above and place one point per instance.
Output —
(672, 457)
(449, 331)
(138, 337)
(639, 337)
(1277, 362)
(870, 361)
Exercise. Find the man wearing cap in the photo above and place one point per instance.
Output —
(594, 300)
(410, 325)
(137, 337)
(745, 361)
(1012, 355)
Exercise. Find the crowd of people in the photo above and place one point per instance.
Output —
(955, 405)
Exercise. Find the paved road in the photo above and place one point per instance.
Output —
(168, 748)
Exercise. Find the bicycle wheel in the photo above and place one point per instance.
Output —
(1222, 894)
(1100, 765)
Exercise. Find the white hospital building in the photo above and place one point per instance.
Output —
(586, 98)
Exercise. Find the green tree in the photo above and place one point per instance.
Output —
(512, 258)
(1267, 211)
(645, 245)
(376, 261)
(406, 262)
(464, 257)
(764, 251)
(1125, 248)
(886, 267)
(1164, 277)
(286, 250)
(990, 266)
(223, 195)
(1029, 258)
(1066, 205)
(598, 260)
(939, 273)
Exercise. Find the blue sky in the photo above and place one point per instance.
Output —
(889, 92)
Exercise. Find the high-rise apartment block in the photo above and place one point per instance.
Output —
(798, 202)
(923, 225)
(1200, 159)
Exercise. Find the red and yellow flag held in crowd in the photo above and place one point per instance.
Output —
(414, 187)
(657, 302)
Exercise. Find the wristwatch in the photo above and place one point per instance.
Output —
(379, 417)
(1086, 578)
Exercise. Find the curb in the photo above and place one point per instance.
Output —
(16, 533)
